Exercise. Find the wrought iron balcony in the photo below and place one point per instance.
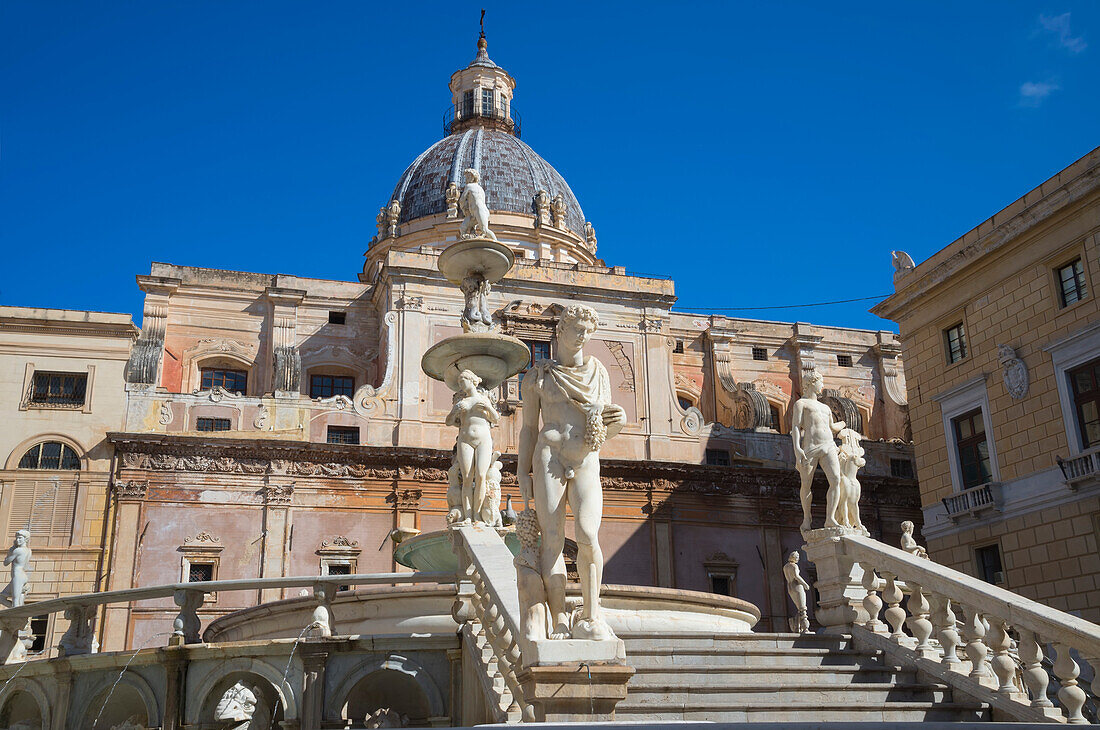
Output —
(464, 116)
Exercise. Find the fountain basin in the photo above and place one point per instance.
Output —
(432, 551)
(493, 357)
(482, 256)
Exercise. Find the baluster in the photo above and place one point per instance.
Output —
(895, 614)
(1071, 696)
(943, 619)
(973, 634)
(187, 624)
(1035, 676)
(1003, 666)
(1094, 662)
(918, 622)
(872, 604)
(79, 637)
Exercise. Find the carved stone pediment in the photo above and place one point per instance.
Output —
(339, 546)
(203, 542)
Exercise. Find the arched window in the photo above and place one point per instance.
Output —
(50, 455)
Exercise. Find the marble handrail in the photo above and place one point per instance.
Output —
(992, 617)
(80, 610)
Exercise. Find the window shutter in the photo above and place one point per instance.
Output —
(45, 507)
(21, 503)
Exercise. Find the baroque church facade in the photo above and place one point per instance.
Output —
(277, 425)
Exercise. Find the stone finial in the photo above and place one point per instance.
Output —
(451, 196)
(393, 215)
(542, 208)
(557, 210)
(590, 236)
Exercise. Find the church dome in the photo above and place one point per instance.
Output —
(511, 172)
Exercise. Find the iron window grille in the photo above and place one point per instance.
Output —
(679, 347)
(327, 386)
(717, 457)
(844, 361)
(343, 435)
(973, 448)
(200, 572)
(759, 353)
(58, 390)
(340, 569)
(234, 381)
(50, 455)
(213, 424)
(1071, 282)
(954, 339)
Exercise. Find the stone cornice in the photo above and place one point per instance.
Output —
(655, 480)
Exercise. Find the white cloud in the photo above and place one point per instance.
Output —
(1032, 93)
(1058, 25)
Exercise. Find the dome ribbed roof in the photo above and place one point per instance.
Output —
(511, 173)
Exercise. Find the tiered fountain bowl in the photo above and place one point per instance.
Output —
(493, 357)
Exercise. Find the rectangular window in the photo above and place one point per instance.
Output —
(504, 106)
(759, 353)
(343, 435)
(486, 102)
(200, 572)
(989, 564)
(844, 361)
(326, 386)
(1071, 283)
(1085, 384)
(773, 417)
(213, 424)
(720, 584)
(340, 569)
(468, 104)
(717, 457)
(679, 348)
(234, 381)
(60, 390)
(540, 350)
(901, 468)
(39, 626)
(954, 340)
(970, 441)
(337, 317)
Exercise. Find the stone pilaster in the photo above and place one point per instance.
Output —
(277, 495)
(655, 363)
(129, 506)
(412, 333)
(805, 346)
(175, 667)
(59, 707)
(314, 658)
(287, 361)
(143, 367)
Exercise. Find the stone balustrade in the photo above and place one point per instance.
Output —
(987, 642)
(1081, 469)
(81, 610)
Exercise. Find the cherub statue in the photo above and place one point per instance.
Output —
(812, 431)
(851, 461)
(474, 415)
(477, 310)
(796, 589)
(490, 511)
(19, 554)
(474, 207)
(909, 543)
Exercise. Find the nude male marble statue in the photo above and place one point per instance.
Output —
(19, 554)
(812, 431)
(559, 464)
(472, 202)
(474, 415)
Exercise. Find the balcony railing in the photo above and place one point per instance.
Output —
(461, 115)
(972, 500)
(1078, 470)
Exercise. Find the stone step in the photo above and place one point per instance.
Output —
(642, 640)
(729, 676)
(867, 694)
(749, 655)
(808, 712)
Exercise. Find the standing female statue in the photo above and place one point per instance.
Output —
(19, 554)
(474, 415)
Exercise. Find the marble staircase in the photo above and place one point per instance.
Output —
(778, 678)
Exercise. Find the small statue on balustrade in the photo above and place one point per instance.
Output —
(812, 431)
(474, 414)
(796, 589)
(19, 554)
(490, 511)
(909, 543)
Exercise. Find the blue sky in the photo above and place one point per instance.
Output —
(762, 154)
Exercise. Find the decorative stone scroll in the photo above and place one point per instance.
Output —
(843, 408)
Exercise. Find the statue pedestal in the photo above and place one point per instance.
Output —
(575, 691)
(839, 580)
(566, 651)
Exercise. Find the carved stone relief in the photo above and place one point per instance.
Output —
(617, 351)
(1014, 372)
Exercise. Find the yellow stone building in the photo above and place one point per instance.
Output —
(1001, 337)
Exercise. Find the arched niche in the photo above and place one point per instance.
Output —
(219, 359)
(396, 683)
(131, 699)
(24, 704)
(275, 696)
